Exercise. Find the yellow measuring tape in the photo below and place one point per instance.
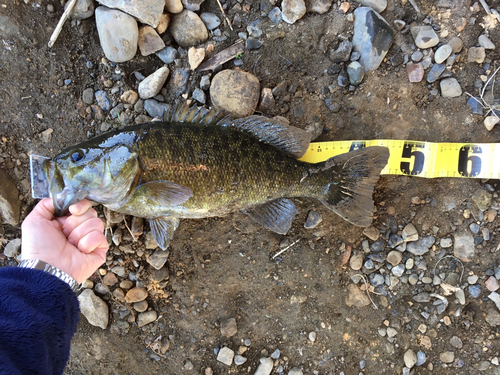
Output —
(421, 159)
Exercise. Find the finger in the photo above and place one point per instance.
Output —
(45, 208)
(90, 225)
(92, 241)
(72, 222)
(81, 207)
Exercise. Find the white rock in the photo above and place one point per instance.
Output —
(495, 297)
(225, 356)
(490, 122)
(146, 11)
(442, 53)
(424, 36)
(174, 6)
(295, 371)
(410, 358)
(118, 34)
(485, 42)
(94, 309)
(13, 248)
(293, 10)
(450, 88)
(152, 84)
(265, 367)
(83, 9)
(195, 57)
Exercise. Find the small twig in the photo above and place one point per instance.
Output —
(454, 257)
(485, 6)
(60, 24)
(414, 4)
(285, 249)
(367, 289)
(224, 14)
(255, 64)
(129, 230)
(488, 81)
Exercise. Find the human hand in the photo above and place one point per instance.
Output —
(75, 243)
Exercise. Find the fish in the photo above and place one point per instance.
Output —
(195, 165)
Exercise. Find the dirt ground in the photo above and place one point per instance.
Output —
(222, 267)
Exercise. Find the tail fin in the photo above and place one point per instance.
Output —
(351, 198)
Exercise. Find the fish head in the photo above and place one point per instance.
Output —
(102, 173)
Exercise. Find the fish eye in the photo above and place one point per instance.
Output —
(77, 156)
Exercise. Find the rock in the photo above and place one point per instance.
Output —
(136, 295)
(239, 360)
(210, 20)
(417, 56)
(399, 269)
(318, 6)
(188, 29)
(149, 41)
(163, 24)
(421, 358)
(460, 294)
(475, 105)
(424, 36)
(156, 109)
(236, 92)
(110, 279)
(355, 72)
(410, 233)
(152, 84)
(422, 297)
(394, 257)
(421, 246)
(173, 6)
(275, 15)
(415, 72)
(158, 259)
(228, 327)
(442, 53)
(435, 72)
(118, 34)
(450, 88)
(342, 53)
(313, 220)
(391, 332)
(102, 100)
(447, 357)
(377, 5)
(94, 309)
(292, 10)
(343, 78)
(495, 297)
(312, 336)
(146, 318)
(410, 358)
(265, 367)
(195, 57)
(464, 247)
(146, 11)
(445, 243)
(456, 342)
(13, 248)
(493, 317)
(356, 261)
(88, 96)
(356, 297)
(168, 55)
(482, 199)
(199, 96)
(178, 82)
(372, 233)
(83, 9)
(490, 122)
(252, 43)
(376, 279)
(476, 54)
(485, 42)
(130, 97)
(141, 306)
(372, 37)
(10, 204)
(295, 371)
(456, 44)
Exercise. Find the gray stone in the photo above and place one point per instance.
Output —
(177, 84)
(421, 358)
(372, 37)
(355, 72)
(442, 53)
(417, 56)
(173, 6)
(292, 10)
(356, 261)
(398, 270)
(435, 72)
(88, 96)
(152, 84)
(275, 15)
(376, 279)
(476, 54)
(155, 109)
(225, 356)
(13, 248)
(239, 360)
(313, 220)
(377, 5)
(456, 342)
(318, 6)
(424, 36)
(210, 20)
(149, 41)
(118, 34)
(193, 5)
(493, 317)
(410, 233)
(394, 257)
(456, 44)
(94, 309)
(228, 327)
(199, 96)
(447, 357)
(422, 297)
(342, 53)
(102, 100)
(410, 358)
(146, 318)
(188, 29)
(486, 42)
(146, 11)
(421, 246)
(445, 243)
(252, 43)
(158, 259)
(450, 88)
(168, 55)
(83, 9)
(10, 204)
(464, 247)
(265, 367)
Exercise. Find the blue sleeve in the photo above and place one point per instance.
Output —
(38, 317)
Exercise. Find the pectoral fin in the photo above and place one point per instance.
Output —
(276, 215)
(163, 229)
(162, 194)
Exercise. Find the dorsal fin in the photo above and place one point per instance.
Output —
(288, 139)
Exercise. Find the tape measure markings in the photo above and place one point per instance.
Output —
(421, 159)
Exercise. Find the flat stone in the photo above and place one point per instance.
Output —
(94, 309)
(152, 84)
(356, 261)
(158, 259)
(149, 41)
(394, 257)
(442, 53)
(342, 53)
(210, 20)
(447, 357)
(130, 97)
(110, 279)
(177, 84)
(398, 270)
(445, 242)
(239, 360)
(372, 37)
(146, 11)
(464, 247)
(295, 371)
(163, 24)
(450, 88)
(188, 29)
(421, 246)
(225, 356)
(10, 204)
(228, 327)
(456, 342)
(156, 109)
(486, 42)
(490, 121)
(424, 36)
(476, 54)
(118, 34)
(422, 297)
(421, 358)
(13, 248)
(265, 367)
(136, 295)
(435, 72)
(410, 358)
(140, 306)
(372, 233)
(377, 5)
(415, 72)
(456, 44)
(293, 10)
(313, 220)
(475, 105)
(236, 92)
(146, 318)
(410, 233)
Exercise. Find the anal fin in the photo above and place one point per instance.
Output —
(163, 229)
(276, 215)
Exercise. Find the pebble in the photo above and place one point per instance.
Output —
(475, 105)
(313, 220)
(376, 279)
(83, 9)
(276, 354)
(472, 279)
(118, 34)
(492, 284)
(485, 42)
(295, 371)
(130, 97)
(398, 270)
(343, 78)
(152, 84)
(435, 72)
(265, 367)
(372, 37)
(275, 15)
(342, 53)
(410, 233)
(158, 259)
(163, 24)
(199, 96)
(239, 360)
(445, 243)
(422, 297)
(136, 295)
(168, 55)
(450, 88)
(421, 358)
(210, 20)
(476, 54)
(141, 306)
(355, 72)
(460, 296)
(174, 6)
(110, 279)
(377, 5)
(415, 72)
(490, 121)
(146, 318)
(391, 332)
(88, 96)
(410, 358)
(474, 227)
(252, 43)
(225, 356)
(421, 246)
(424, 36)
(356, 261)
(149, 41)
(155, 109)
(447, 357)
(456, 44)
(417, 56)
(372, 233)
(442, 53)
(228, 327)
(94, 309)
(356, 297)
(188, 29)
(312, 336)
(394, 257)
(456, 342)
(195, 57)
(292, 10)
(493, 317)
(236, 92)
(146, 11)
(409, 264)
(9, 200)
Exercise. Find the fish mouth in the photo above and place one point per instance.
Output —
(47, 181)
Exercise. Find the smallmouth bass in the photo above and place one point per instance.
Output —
(194, 167)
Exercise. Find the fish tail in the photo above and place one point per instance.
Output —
(353, 180)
